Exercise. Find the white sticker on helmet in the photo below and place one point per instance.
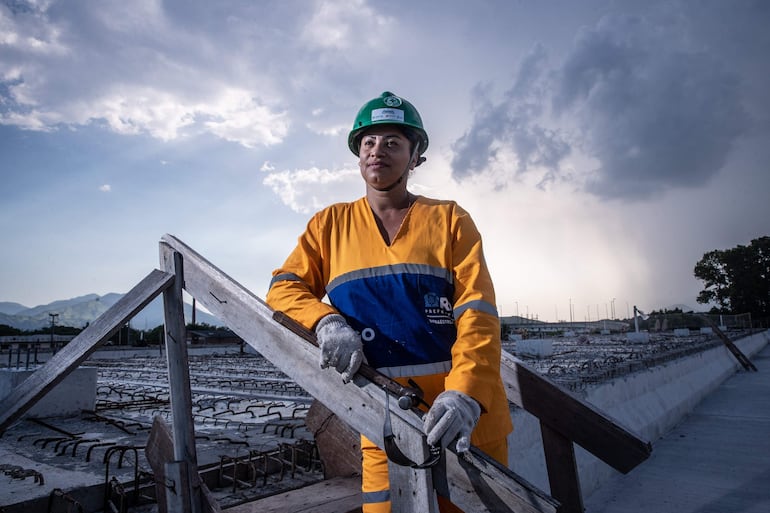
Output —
(387, 115)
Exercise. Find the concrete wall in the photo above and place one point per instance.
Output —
(75, 393)
(648, 403)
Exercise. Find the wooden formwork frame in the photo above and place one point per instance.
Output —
(471, 480)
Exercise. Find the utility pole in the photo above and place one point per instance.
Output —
(53, 317)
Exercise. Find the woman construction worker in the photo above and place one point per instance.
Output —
(408, 292)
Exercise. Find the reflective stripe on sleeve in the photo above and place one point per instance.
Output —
(285, 277)
(478, 304)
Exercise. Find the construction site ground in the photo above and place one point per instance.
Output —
(252, 441)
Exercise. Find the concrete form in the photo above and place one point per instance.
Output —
(649, 402)
(535, 347)
(715, 461)
(75, 393)
(638, 337)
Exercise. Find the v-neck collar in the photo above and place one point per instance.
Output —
(401, 227)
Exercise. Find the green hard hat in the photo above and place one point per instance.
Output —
(388, 109)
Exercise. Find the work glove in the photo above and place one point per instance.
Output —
(341, 346)
(452, 415)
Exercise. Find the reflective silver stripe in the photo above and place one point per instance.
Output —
(478, 304)
(425, 369)
(370, 497)
(386, 270)
(285, 277)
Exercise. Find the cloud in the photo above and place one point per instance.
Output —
(637, 106)
(240, 118)
(105, 188)
(244, 73)
(337, 25)
(20, 30)
(654, 113)
(301, 189)
(147, 82)
(507, 134)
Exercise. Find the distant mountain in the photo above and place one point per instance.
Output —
(80, 311)
(9, 308)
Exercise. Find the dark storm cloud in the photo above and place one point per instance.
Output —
(654, 101)
(653, 115)
(511, 122)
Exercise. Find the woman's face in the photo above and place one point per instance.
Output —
(384, 156)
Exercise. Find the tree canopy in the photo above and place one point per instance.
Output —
(737, 279)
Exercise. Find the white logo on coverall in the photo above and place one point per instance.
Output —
(438, 309)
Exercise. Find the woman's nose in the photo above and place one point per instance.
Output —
(378, 148)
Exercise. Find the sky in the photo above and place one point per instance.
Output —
(601, 147)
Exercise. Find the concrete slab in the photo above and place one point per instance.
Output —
(717, 460)
(75, 393)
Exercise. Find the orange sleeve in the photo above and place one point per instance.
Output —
(298, 287)
(476, 352)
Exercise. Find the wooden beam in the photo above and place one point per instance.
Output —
(159, 451)
(336, 495)
(737, 353)
(360, 403)
(411, 489)
(576, 420)
(562, 470)
(486, 478)
(39, 383)
(179, 381)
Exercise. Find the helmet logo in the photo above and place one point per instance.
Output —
(392, 101)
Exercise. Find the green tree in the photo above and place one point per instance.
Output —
(737, 279)
(6, 330)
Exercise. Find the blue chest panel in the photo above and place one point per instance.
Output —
(404, 318)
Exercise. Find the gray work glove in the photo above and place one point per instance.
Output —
(452, 415)
(341, 345)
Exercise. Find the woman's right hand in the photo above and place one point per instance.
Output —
(341, 346)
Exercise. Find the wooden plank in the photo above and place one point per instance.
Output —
(737, 353)
(360, 403)
(159, 451)
(179, 376)
(178, 499)
(31, 390)
(476, 473)
(576, 420)
(562, 470)
(339, 447)
(338, 495)
(411, 489)
(176, 357)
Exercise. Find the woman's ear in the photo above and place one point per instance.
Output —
(419, 161)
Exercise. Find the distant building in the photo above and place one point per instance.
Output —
(213, 337)
(519, 325)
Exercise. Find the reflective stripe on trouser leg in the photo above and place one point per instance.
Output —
(376, 487)
(374, 478)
